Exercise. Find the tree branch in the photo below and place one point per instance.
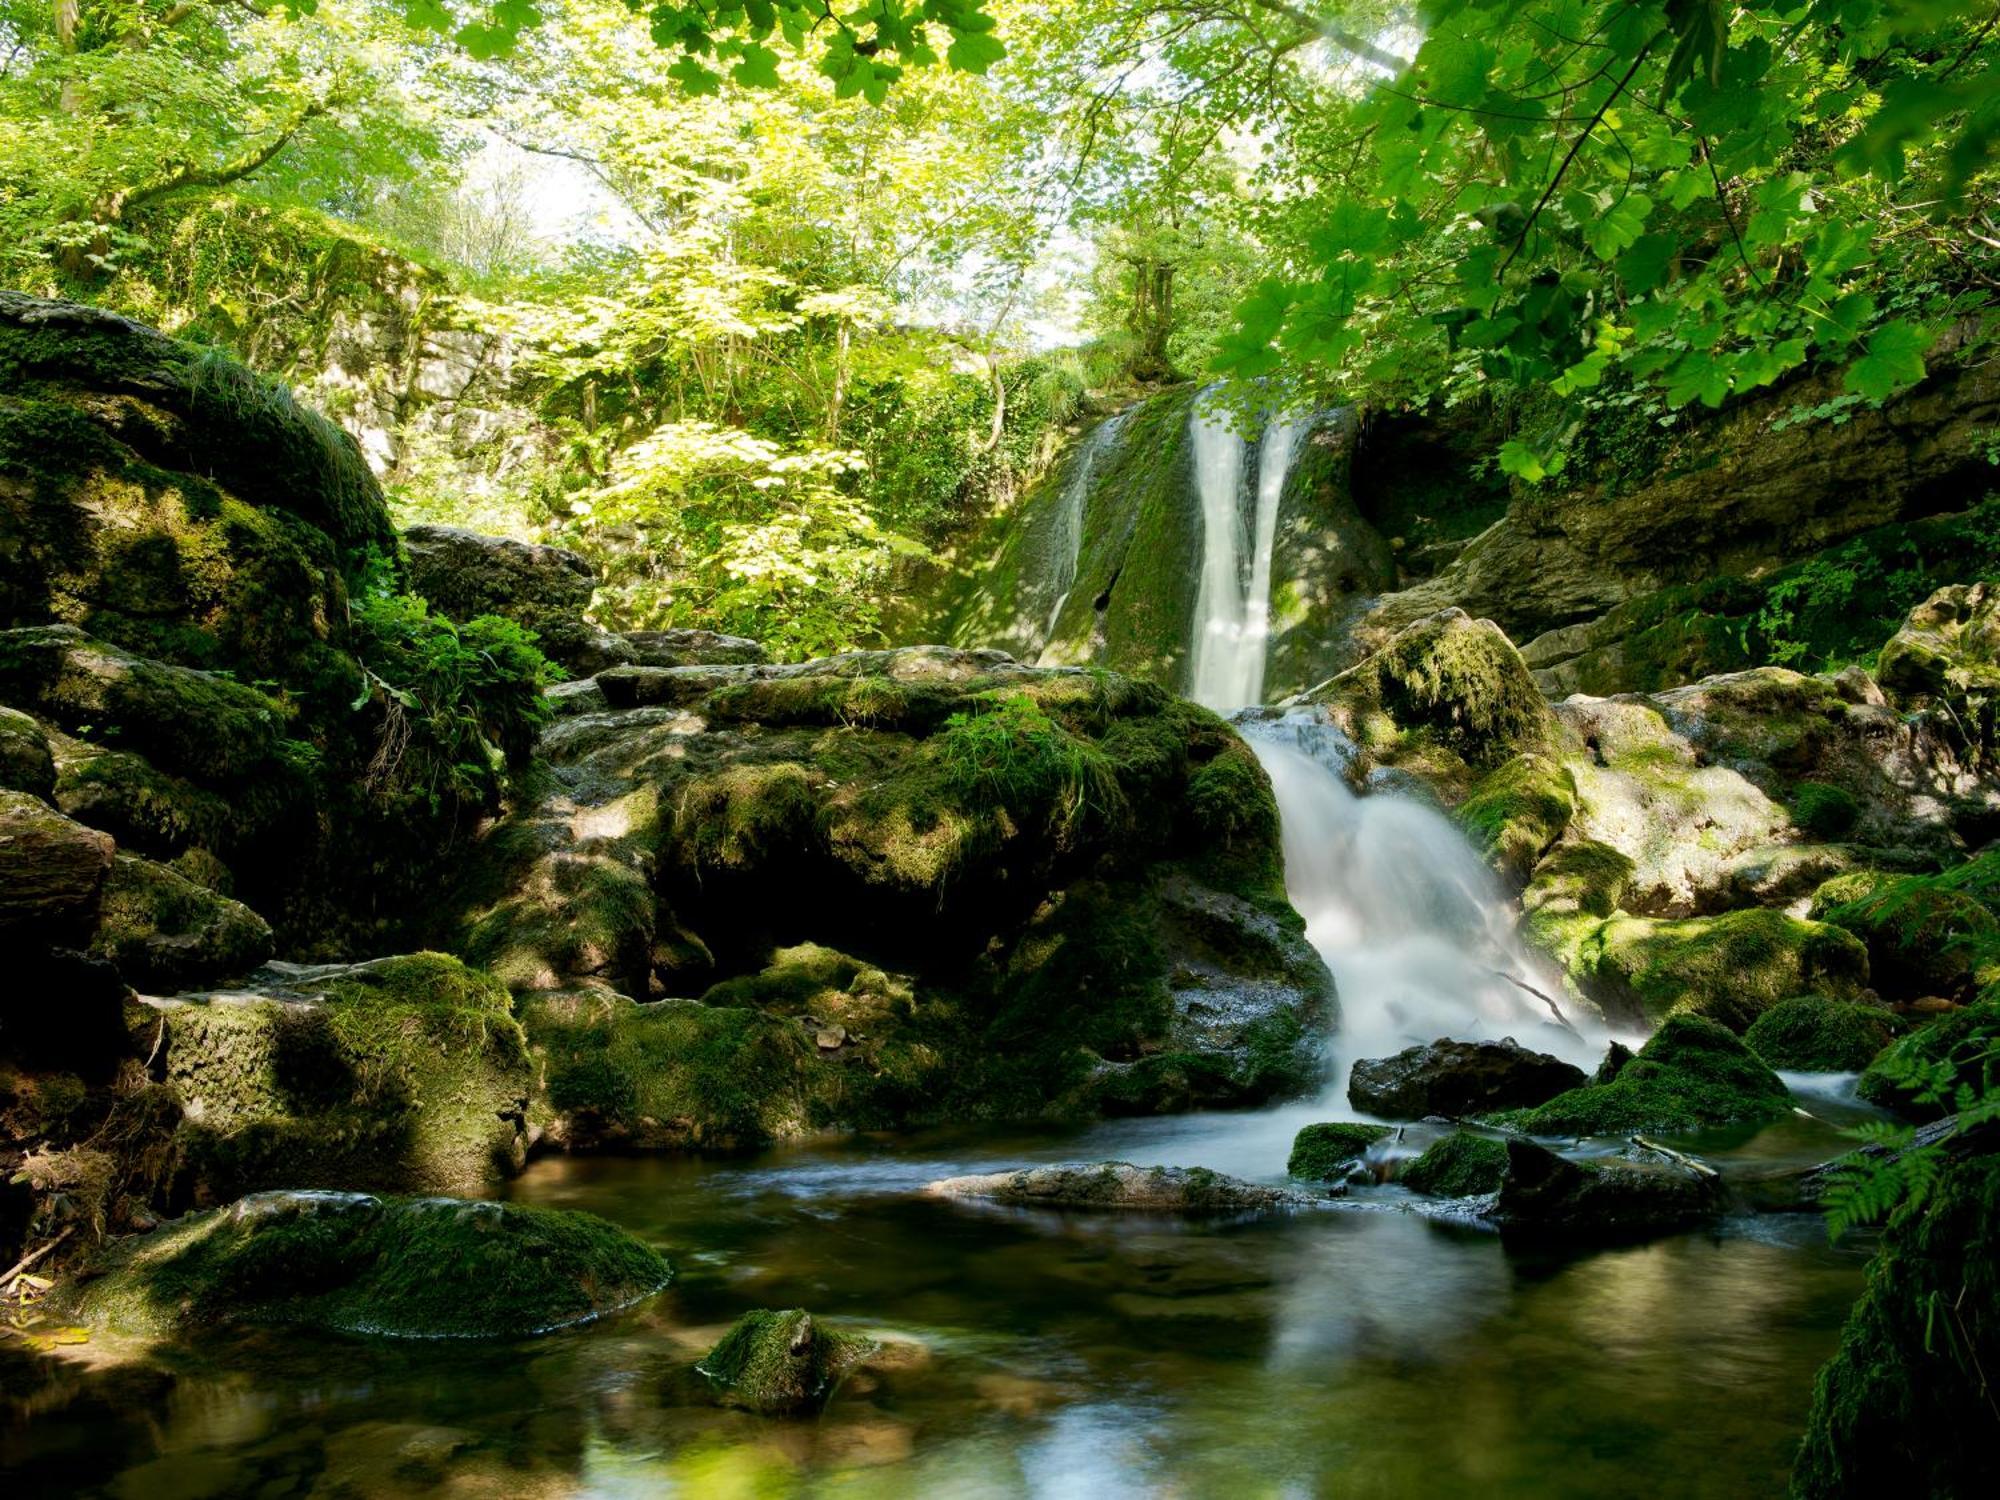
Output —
(1342, 38)
(190, 176)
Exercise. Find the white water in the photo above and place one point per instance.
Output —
(1417, 931)
(1068, 539)
(1233, 613)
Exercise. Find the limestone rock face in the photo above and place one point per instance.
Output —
(1117, 1185)
(1008, 887)
(1948, 648)
(52, 871)
(357, 1264)
(1458, 1079)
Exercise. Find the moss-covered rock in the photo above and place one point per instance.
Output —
(1729, 968)
(1517, 812)
(784, 1363)
(165, 932)
(1948, 648)
(52, 871)
(1323, 1153)
(26, 763)
(546, 589)
(404, 1073)
(986, 887)
(1812, 1034)
(1905, 1406)
(1926, 935)
(1448, 690)
(352, 1263)
(1461, 1165)
(1828, 812)
(1691, 1075)
(1117, 1185)
(1922, 1074)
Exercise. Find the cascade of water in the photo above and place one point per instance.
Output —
(1415, 928)
(1067, 543)
(1232, 612)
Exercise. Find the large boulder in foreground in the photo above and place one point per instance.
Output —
(1458, 1079)
(356, 1264)
(1544, 1196)
(782, 1363)
(1691, 1075)
(403, 1074)
(1117, 1185)
(893, 886)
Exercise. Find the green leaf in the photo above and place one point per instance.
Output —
(1523, 462)
(1892, 360)
(758, 67)
(974, 51)
(1617, 225)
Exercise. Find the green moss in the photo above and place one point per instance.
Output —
(1921, 1074)
(1828, 812)
(1692, 1074)
(1516, 812)
(1729, 968)
(1321, 1153)
(1459, 1166)
(1811, 1034)
(1923, 936)
(1581, 876)
(1904, 1407)
(781, 1363)
(145, 809)
(1231, 813)
(408, 1268)
(164, 932)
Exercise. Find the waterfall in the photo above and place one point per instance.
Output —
(1416, 929)
(1067, 542)
(1232, 612)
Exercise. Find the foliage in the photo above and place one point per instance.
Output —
(457, 704)
(1011, 753)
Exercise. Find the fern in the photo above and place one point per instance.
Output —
(1891, 1179)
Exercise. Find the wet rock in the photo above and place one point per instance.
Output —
(52, 871)
(1544, 1196)
(1324, 1153)
(1462, 1165)
(165, 932)
(1690, 1075)
(1458, 1079)
(1117, 1185)
(781, 1364)
(357, 1264)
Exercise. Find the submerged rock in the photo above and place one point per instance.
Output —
(1323, 1153)
(353, 1263)
(1457, 1079)
(1690, 1075)
(1118, 1185)
(783, 1363)
(1462, 1165)
(1544, 1196)
(1812, 1034)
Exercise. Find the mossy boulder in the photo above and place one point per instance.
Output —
(1729, 968)
(1517, 812)
(356, 1264)
(1828, 812)
(1922, 1074)
(1812, 1034)
(783, 1363)
(1546, 1197)
(1947, 649)
(165, 932)
(1925, 935)
(465, 574)
(1902, 1407)
(1446, 692)
(1323, 1153)
(1117, 1185)
(1691, 1075)
(1458, 1079)
(1461, 1165)
(26, 763)
(401, 1074)
(984, 887)
(52, 871)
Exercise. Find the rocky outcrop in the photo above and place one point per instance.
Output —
(1692, 1074)
(781, 1364)
(1064, 888)
(163, 931)
(1948, 649)
(1458, 1079)
(1546, 1197)
(52, 871)
(465, 574)
(1327, 1152)
(1117, 1185)
(355, 1264)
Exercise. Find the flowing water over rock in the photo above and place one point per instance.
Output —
(1068, 540)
